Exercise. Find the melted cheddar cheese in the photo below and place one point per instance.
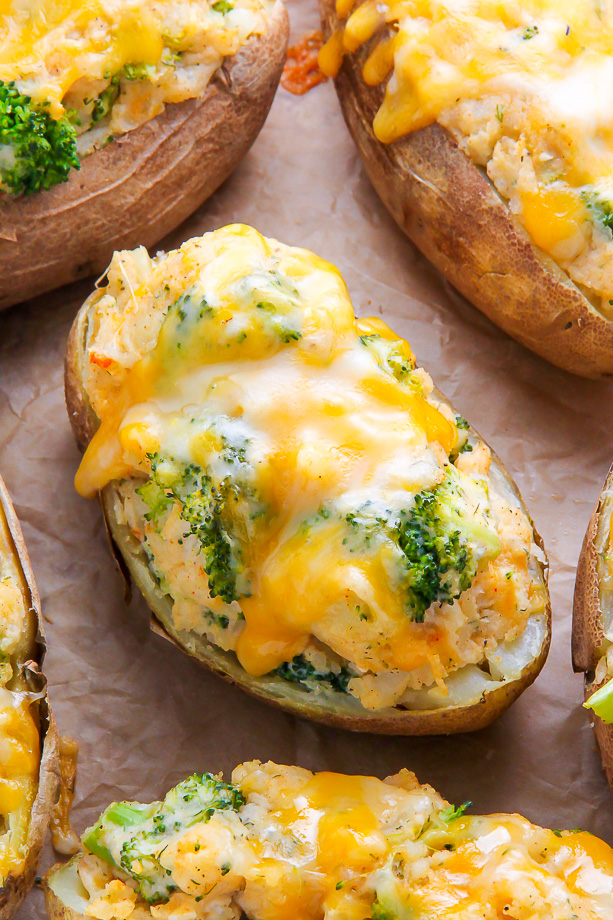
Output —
(271, 455)
(19, 735)
(338, 847)
(524, 88)
(115, 64)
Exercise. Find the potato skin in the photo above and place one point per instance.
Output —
(56, 909)
(338, 710)
(452, 212)
(146, 182)
(588, 634)
(17, 886)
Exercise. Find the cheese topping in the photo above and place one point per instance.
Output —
(19, 738)
(281, 842)
(301, 496)
(111, 65)
(525, 88)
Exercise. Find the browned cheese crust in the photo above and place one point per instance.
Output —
(17, 886)
(146, 182)
(339, 710)
(588, 634)
(453, 213)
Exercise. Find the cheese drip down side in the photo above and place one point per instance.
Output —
(288, 470)
(280, 842)
(526, 91)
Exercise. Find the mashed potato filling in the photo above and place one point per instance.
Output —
(279, 843)
(526, 90)
(114, 64)
(19, 738)
(301, 493)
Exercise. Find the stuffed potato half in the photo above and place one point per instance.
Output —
(301, 510)
(593, 622)
(118, 119)
(485, 129)
(29, 761)
(280, 842)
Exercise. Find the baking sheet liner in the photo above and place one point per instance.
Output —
(144, 714)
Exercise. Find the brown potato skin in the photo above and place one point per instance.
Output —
(146, 182)
(588, 635)
(336, 710)
(17, 886)
(452, 212)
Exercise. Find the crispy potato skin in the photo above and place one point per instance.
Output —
(588, 634)
(452, 212)
(146, 182)
(17, 886)
(336, 709)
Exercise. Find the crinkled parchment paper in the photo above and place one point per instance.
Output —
(144, 714)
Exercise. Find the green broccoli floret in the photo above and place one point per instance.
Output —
(203, 505)
(36, 150)
(299, 670)
(437, 537)
(600, 209)
(106, 100)
(132, 837)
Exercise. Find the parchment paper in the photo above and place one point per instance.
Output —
(144, 714)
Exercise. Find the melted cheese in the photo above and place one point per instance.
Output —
(329, 845)
(19, 736)
(71, 55)
(525, 88)
(253, 344)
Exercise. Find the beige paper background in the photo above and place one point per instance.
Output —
(144, 714)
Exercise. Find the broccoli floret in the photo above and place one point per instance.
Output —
(138, 71)
(132, 837)
(299, 670)
(600, 209)
(106, 100)
(36, 150)
(452, 812)
(203, 504)
(381, 912)
(439, 562)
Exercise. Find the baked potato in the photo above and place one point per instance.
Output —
(181, 89)
(29, 762)
(485, 130)
(593, 622)
(281, 842)
(302, 511)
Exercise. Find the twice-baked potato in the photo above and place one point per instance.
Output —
(593, 621)
(29, 761)
(141, 108)
(302, 511)
(485, 129)
(281, 842)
